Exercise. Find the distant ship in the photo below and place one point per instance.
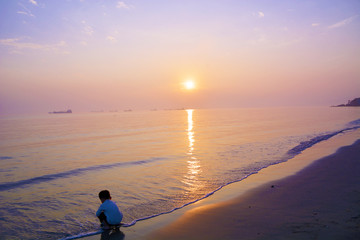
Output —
(56, 112)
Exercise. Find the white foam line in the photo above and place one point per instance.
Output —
(81, 235)
(303, 146)
(186, 204)
(219, 188)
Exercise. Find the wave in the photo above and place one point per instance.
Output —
(82, 235)
(307, 144)
(290, 154)
(71, 173)
(354, 125)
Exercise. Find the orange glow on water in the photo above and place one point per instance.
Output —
(193, 164)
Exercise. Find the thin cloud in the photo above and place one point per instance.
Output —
(111, 39)
(343, 22)
(33, 2)
(122, 5)
(315, 24)
(260, 14)
(17, 46)
(25, 11)
(88, 30)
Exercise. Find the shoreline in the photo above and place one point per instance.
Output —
(319, 202)
(151, 228)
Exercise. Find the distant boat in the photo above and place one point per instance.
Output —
(57, 112)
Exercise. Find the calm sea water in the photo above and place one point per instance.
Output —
(53, 166)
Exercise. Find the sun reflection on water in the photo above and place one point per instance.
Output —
(193, 164)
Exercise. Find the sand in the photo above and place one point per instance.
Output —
(322, 201)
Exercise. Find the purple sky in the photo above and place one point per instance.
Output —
(113, 55)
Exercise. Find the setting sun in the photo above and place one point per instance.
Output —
(189, 84)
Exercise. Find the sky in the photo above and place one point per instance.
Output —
(92, 55)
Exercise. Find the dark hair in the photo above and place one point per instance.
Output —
(105, 194)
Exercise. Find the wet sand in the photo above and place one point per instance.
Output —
(322, 201)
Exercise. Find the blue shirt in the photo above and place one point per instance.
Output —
(111, 211)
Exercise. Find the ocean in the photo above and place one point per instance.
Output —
(52, 166)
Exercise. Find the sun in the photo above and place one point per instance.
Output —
(189, 84)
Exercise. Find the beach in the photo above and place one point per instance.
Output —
(202, 119)
(185, 162)
(316, 195)
(322, 201)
